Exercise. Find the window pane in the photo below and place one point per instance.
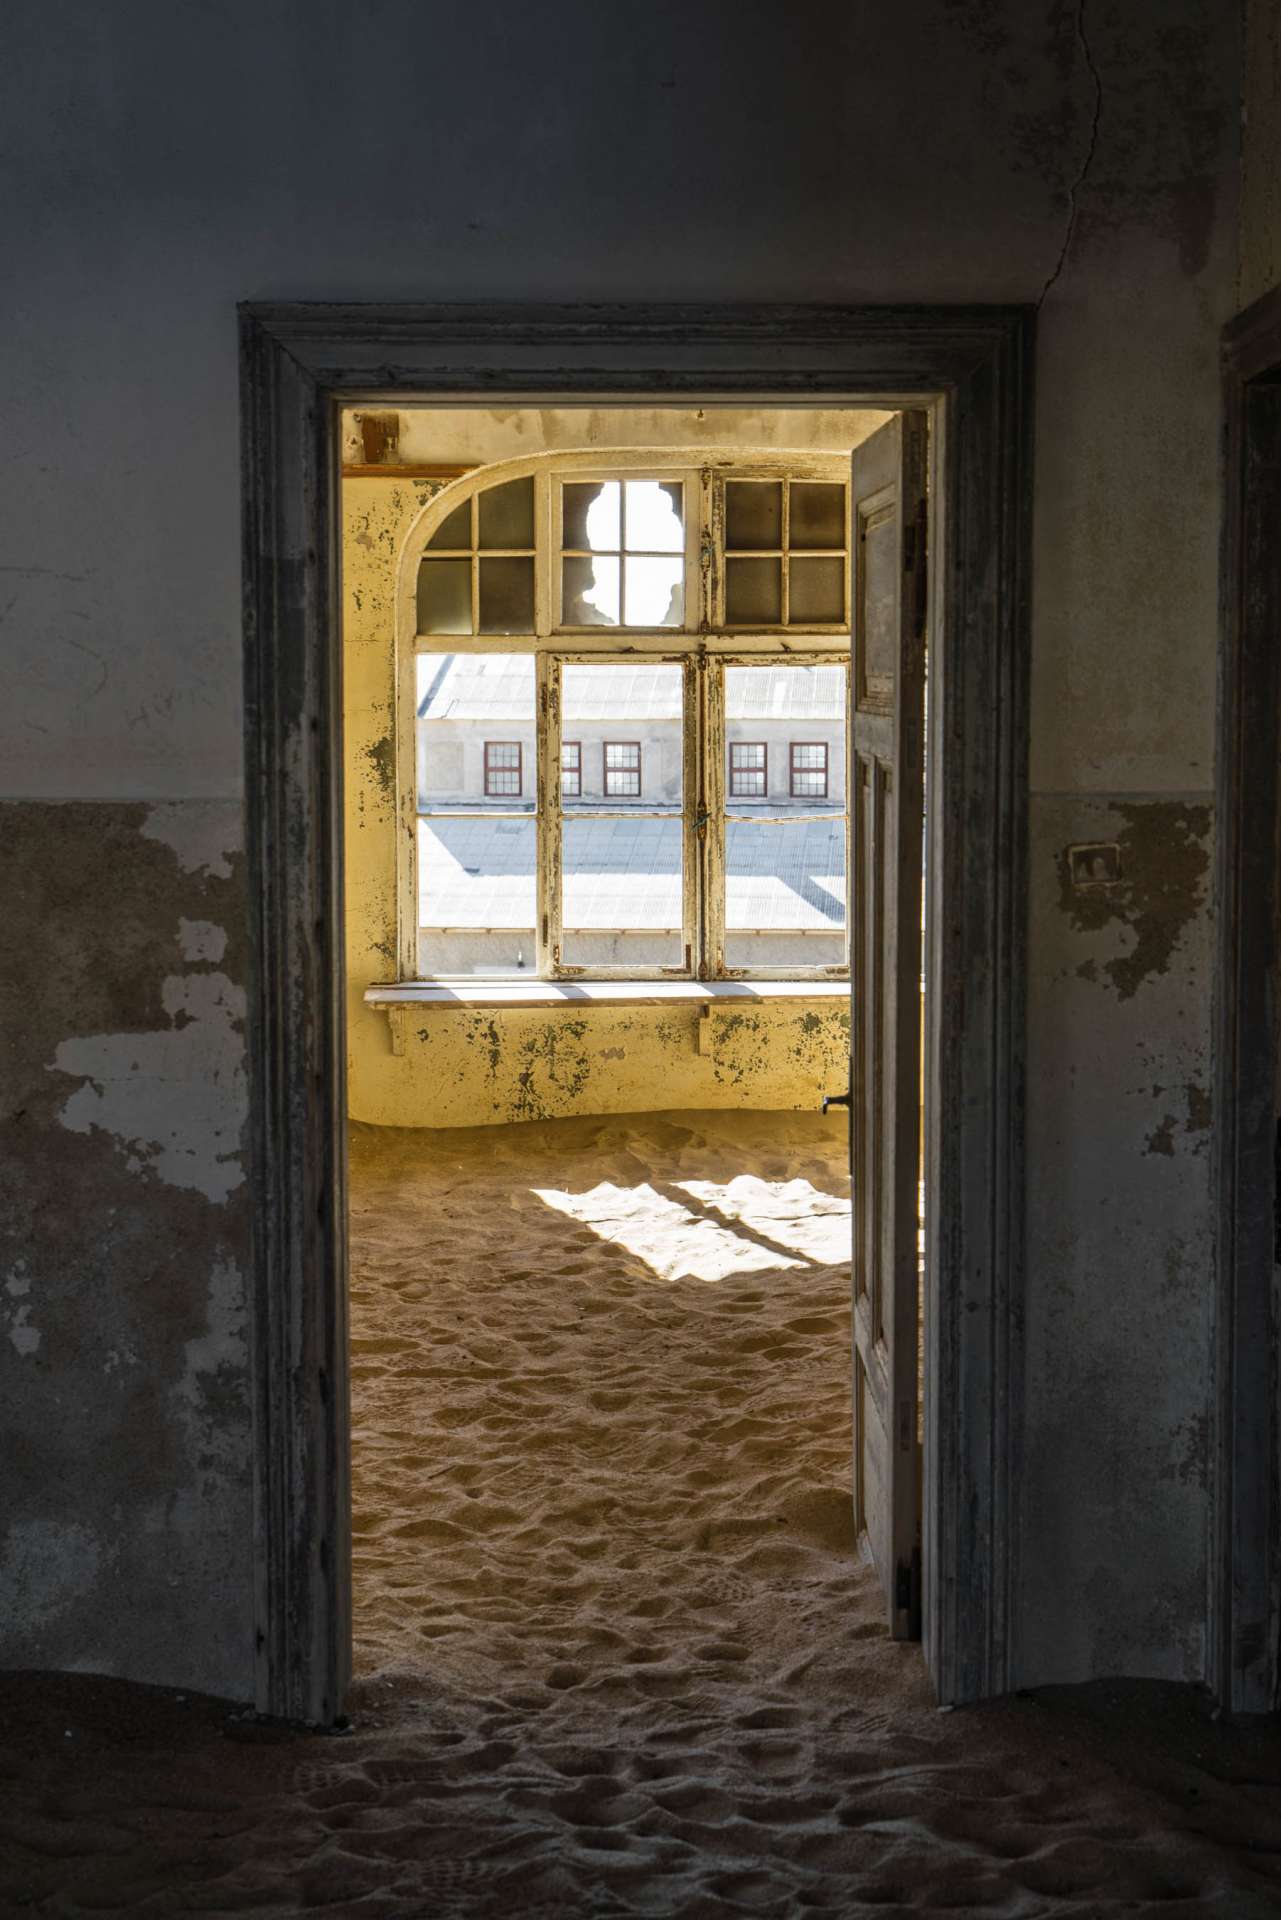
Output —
(507, 515)
(748, 771)
(785, 893)
(455, 530)
(753, 593)
(622, 878)
(816, 592)
(654, 523)
(810, 768)
(655, 593)
(622, 882)
(638, 709)
(465, 700)
(753, 514)
(571, 769)
(507, 596)
(591, 597)
(444, 596)
(504, 769)
(817, 514)
(591, 516)
(622, 770)
(476, 896)
(797, 714)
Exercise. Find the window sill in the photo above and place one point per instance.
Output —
(579, 993)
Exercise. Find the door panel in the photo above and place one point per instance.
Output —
(888, 757)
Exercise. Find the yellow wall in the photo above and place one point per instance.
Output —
(446, 1066)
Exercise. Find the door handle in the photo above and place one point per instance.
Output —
(835, 1100)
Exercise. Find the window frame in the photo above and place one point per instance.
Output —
(736, 746)
(807, 746)
(492, 793)
(576, 747)
(627, 746)
(704, 650)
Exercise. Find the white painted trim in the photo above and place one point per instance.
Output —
(577, 993)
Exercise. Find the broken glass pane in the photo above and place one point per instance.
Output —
(655, 595)
(591, 516)
(654, 522)
(591, 592)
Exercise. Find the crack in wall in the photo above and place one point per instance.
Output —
(1074, 191)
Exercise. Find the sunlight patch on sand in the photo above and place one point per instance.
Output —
(671, 1240)
(792, 1213)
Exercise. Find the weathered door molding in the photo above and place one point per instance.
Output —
(1245, 1562)
(972, 368)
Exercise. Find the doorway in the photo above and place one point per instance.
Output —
(969, 372)
(617, 800)
(1243, 1607)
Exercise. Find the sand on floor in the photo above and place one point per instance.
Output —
(616, 1652)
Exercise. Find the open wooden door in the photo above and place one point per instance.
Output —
(887, 773)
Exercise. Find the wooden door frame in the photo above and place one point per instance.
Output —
(972, 367)
(1245, 1556)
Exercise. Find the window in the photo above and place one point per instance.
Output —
(748, 770)
(602, 619)
(622, 769)
(622, 553)
(477, 574)
(785, 553)
(502, 768)
(809, 770)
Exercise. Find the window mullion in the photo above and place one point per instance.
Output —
(691, 791)
(547, 826)
(712, 819)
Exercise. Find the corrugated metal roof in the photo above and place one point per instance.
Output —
(627, 873)
(500, 686)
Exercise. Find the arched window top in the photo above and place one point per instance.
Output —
(646, 541)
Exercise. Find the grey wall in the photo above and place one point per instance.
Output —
(163, 162)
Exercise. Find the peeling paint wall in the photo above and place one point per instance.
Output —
(165, 162)
(124, 1440)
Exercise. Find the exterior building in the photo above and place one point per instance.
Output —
(621, 776)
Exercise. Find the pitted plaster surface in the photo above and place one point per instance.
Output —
(47, 1565)
(1118, 1337)
(175, 1100)
(17, 1311)
(124, 1410)
(202, 839)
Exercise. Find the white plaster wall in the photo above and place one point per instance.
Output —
(163, 162)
